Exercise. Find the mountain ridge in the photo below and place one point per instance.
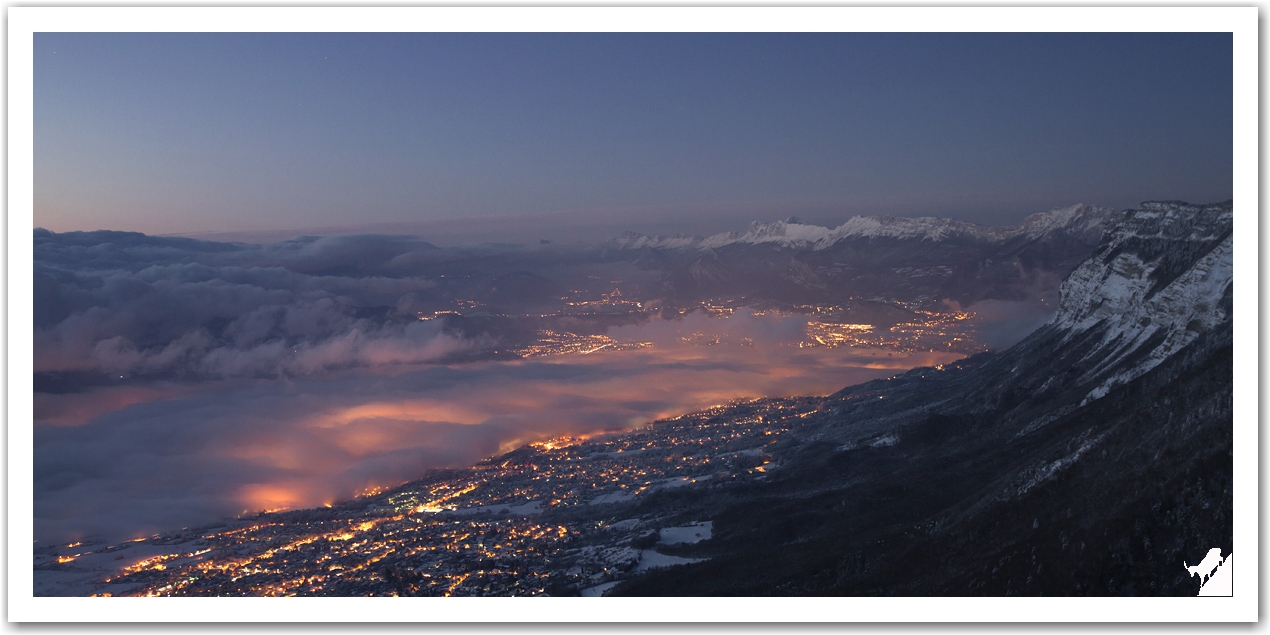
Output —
(793, 233)
(905, 259)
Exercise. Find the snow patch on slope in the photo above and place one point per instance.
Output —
(1047, 471)
(1183, 310)
(1077, 219)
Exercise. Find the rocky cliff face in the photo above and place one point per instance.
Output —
(1093, 458)
(1162, 277)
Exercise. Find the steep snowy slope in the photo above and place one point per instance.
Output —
(1135, 294)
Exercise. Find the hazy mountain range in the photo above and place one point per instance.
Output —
(1093, 458)
(909, 259)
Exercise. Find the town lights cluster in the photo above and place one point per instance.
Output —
(565, 343)
(951, 332)
(524, 523)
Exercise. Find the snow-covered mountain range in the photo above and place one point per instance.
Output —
(793, 233)
(909, 259)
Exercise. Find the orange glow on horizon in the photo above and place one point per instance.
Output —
(271, 497)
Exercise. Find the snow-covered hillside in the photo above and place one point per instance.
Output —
(1157, 281)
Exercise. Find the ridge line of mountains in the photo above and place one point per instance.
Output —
(907, 259)
(1079, 219)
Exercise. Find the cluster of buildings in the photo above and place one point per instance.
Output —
(551, 342)
(561, 516)
(950, 332)
(607, 303)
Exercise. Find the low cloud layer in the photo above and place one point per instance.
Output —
(182, 381)
(222, 448)
(126, 304)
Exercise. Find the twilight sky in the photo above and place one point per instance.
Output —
(168, 133)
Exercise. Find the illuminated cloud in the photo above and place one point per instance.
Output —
(223, 447)
(181, 381)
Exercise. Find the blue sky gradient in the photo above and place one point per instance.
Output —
(165, 133)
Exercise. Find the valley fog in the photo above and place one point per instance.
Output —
(128, 461)
(180, 381)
